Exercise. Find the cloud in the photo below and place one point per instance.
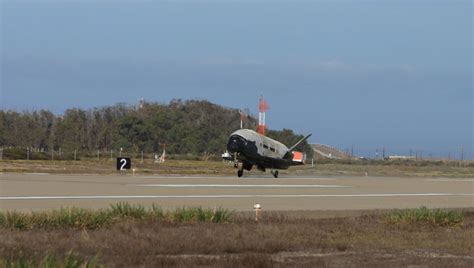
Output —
(407, 68)
(231, 61)
(334, 65)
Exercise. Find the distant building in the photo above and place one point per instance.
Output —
(401, 157)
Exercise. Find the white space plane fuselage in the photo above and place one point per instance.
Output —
(248, 148)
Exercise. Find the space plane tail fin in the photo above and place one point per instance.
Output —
(299, 142)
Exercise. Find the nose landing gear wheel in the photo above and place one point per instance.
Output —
(275, 173)
(240, 173)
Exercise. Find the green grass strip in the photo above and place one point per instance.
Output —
(423, 215)
(92, 219)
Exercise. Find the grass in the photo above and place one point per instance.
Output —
(279, 239)
(424, 215)
(191, 167)
(50, 261)
(93, 219)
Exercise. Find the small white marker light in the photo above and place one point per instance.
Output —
(257, 208)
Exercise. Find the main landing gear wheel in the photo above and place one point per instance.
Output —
(275, 173)
(240, 173)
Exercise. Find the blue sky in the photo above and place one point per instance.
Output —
(367, 74)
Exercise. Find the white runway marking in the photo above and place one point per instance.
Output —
(230, 178)
(240, 185)
(450, 180)
(5, 198)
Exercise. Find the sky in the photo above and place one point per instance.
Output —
(360, 75)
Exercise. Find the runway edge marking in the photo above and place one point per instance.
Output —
(6, 198)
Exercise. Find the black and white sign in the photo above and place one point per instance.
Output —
(123, 163)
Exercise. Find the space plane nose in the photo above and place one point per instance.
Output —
(235, 144)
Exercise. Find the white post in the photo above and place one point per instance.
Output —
(312, 162)
(142, 156)
(28, 153)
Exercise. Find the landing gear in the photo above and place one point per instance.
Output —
(274, 173)
(240, 172)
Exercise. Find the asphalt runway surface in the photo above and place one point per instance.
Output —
(44, 191)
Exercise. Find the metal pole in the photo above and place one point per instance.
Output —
(142, 156)
(75, 152)
(28, 153)
(98, 155)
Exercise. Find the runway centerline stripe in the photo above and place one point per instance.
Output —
(239, 185)
(5, 198)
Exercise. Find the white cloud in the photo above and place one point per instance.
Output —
(231, 61)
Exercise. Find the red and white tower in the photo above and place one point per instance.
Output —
(263, 107)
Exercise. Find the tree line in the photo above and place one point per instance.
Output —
(186, 127)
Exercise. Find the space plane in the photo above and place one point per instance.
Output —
(248, 148)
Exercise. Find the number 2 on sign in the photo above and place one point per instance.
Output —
(124, 163)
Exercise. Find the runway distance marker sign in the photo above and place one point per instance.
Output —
(124, 163)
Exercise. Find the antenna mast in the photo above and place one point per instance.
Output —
(263, 107)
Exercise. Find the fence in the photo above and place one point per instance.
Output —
(15, 153)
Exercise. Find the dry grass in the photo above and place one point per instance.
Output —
(194, 167)
(280, 239)
(93, 166)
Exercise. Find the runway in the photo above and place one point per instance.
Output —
(43, 191)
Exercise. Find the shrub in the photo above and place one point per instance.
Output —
(424, 215)
(93, 219)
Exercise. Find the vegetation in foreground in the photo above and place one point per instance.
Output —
(279, 239)
(423, 215)
(70, 260)
(92, 219)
